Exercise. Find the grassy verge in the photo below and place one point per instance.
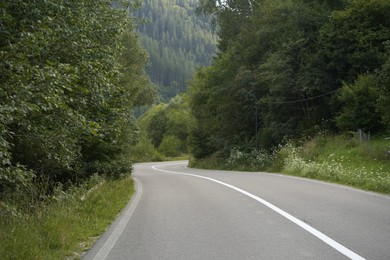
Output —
(341, 159)
(67, 225)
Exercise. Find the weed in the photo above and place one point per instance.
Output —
(341, 159)
(66, 224)
(339, 165)
(252, 160)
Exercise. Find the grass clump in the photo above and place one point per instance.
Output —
(66, 224)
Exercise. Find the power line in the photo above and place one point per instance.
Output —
(301, 100)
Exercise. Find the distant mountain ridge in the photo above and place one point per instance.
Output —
(177, 41)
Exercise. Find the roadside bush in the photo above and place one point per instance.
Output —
(14, 179)
(171, 146)
(335, 170)
(144, 151)
(252, 160)
(359, 105)
(67, 223)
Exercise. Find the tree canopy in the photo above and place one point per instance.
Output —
(295, 56)
(71, 72)
(177, 40)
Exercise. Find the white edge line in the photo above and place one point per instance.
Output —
(323, 182)
(329, 241)
(111, 240)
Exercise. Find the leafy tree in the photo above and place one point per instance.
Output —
(353, 40)
(71, 72)
(168, 125)
(170, 146)
(294, 57)
(359, 106)
(384, 90)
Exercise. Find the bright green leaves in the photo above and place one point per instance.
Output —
(71, 73)
(168, 126)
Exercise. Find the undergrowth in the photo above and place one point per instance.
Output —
(336, 169)
(341, 159)
(64, 225)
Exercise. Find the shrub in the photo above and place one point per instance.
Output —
(375, 179)
(171, 146)
(144, 151)
(252, 160)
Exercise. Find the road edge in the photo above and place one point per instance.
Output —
(103, 246)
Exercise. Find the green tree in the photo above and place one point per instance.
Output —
(71, 72)
(294, 57)
(170, 146)
(353, 41)
(359, 106)
(384, 90)
(168, 124)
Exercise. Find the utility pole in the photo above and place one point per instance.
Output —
(256, 117)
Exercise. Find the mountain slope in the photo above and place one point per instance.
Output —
(177, 41)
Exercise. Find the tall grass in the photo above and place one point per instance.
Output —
(337, 168)
(342, 159)
(248, 161)
(66, 225)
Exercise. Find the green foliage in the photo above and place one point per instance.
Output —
(177, 41)
(223, 112)
(253, 160)
(359, 106)
(170, 146)
(153, 123)
(294, 56)
(384, 90)
(144, 151)
(15, 179)
(342, 159)
(168, 126)
(71, 73)
(339, 159)
(353, 40)
(67, 225)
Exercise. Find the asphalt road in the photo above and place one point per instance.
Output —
(183, 213)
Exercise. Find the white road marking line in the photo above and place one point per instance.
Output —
(110, 242)
(339, 247)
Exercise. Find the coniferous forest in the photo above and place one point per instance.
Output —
(178, 42)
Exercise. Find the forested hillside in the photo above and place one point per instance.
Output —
(71, 73)
(177, 41)
(312, 65)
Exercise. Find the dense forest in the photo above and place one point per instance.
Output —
(178, 42)
(321, 65)
(71, 72)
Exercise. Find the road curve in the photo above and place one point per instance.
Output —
(183, 213)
